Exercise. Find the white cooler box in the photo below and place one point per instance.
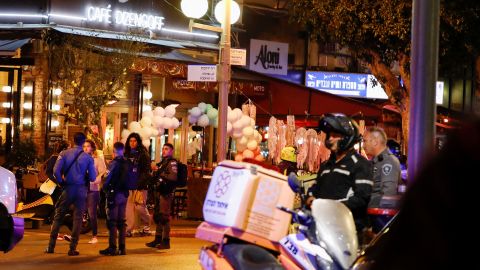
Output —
(245, 196)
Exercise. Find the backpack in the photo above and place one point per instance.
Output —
(181, 174)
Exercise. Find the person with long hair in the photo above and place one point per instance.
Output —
(93, 195)
(139, 173)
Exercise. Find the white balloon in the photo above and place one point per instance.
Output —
(167, 123)
(238, 157)
(203, 121)
(248, 131)
(146, 122)
(259, 138)
(159, 111)
(243, 140)
(175, 123)
(260, 157)
(237, 127)
(241, 147)
(125, 133)
(252, 145)
(237, 135)
(170, 110)
(148, 114)
(157, 121)
(248, 154)
(161, 131)
(202, 106)
(144, 133)
(195, 112)
(231, 117)
(146, 143)
(245, 120)
(154, 132)
(238, 113)
(229, 127)
(134, 126)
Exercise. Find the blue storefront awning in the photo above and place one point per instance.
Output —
(8, 47)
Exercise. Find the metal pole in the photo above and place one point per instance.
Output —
(423, 70)
(223, 84)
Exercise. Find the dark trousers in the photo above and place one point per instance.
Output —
(76, 195)
(116, 221)
(93, 199)
(163, 205)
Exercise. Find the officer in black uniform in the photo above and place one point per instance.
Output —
(164, 179)
(346, 176)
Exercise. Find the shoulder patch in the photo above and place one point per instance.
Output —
(387, 168)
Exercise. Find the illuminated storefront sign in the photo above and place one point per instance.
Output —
(120, 17)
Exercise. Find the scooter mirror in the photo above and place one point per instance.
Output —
(294, 183)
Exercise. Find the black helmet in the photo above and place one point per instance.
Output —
(340, 123)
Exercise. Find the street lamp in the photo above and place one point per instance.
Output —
(223, 70)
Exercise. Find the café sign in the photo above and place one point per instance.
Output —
(126, 18)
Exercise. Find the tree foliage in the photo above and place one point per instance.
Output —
(379, 33)
(90, 70)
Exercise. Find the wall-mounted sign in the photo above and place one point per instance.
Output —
(238, 57)
(268, 57)
(126, 18)
(345, 84)
(202, 73)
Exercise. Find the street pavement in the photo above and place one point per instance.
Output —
(29, 253)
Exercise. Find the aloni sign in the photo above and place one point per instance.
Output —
(268, 57)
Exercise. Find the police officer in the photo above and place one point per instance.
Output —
(386, 167)
(70, 172)
(117, 193)
(165, 178)
(346, 176)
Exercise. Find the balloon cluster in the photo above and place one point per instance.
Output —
(203, 115)
(242, 128)
(153, 123)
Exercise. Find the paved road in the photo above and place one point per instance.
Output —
(29, 254)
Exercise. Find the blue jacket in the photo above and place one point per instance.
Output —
(78, 172)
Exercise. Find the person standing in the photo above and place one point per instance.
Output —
(93, 195)
(117, 193)
(70, 172)
(139, 173)
(346, 176)
(165, 177)
(386, 170)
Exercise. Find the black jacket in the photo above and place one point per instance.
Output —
(141, 159)
(115, 177)
(165, 177)
(350, 181)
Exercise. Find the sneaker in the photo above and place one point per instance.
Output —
(73, 253)
(67, 237)
(108, 251)
(94, 240)
(60, 238)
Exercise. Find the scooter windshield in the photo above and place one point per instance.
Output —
(336, 229)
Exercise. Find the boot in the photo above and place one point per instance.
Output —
(121, 250)
(157, 241)
(165, 244)
(110, 251)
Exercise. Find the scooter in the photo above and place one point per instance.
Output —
(257, 238)
(326, 237)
